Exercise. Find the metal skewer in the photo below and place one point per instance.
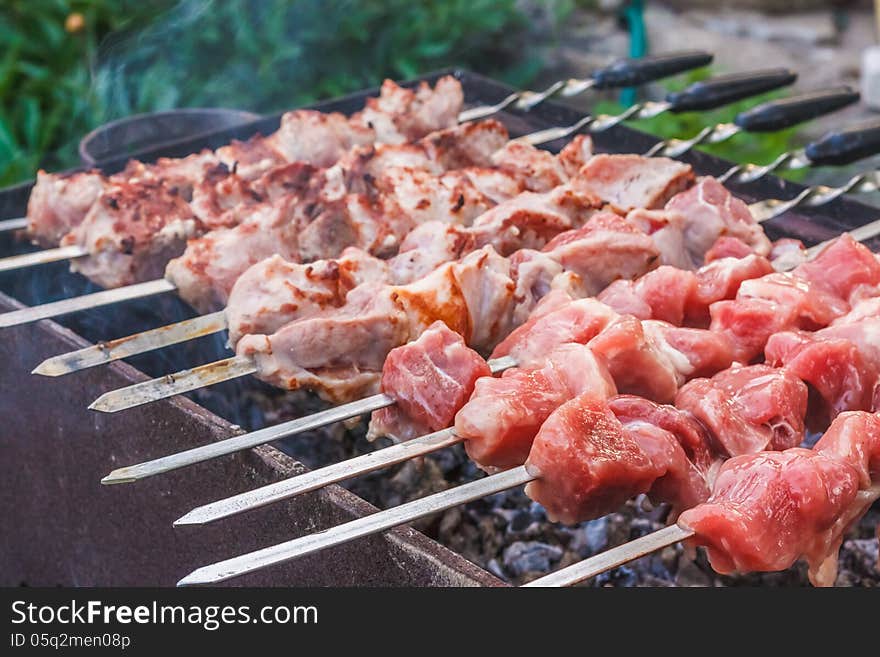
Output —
(366, 526)
(263, 436)
(107, 352)
(772, 115)
(707, 94)
(41, 257)
(84, 302)
(622, 73)
(613, 558)
(835, 148)
(178, 383)
(315, 479)
(700, 96)
(361, 465)
(8, 225)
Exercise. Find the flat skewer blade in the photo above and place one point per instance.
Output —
(40, 257)
(315, 479)
(8, 225)
(283, 430)
(613, 558)
(84, 302)
(246, 440)
(174, 384)
(107, 352)
(366, 526)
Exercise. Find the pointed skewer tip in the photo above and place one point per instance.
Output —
(119, 476)
(194, 517)
(49, 367)
(101, 405)
(194, 579)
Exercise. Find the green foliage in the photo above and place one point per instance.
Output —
(134, 56)
(45, 76)
(58, 80)
(759, 148)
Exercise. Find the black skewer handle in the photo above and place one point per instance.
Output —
(783, 113)
(725, 89)
(845, 146)
(634, 72)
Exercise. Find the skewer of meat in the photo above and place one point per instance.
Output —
(702, 95)
(592, 453)
(188, 380)
(659, 449)
(769, 509)
(652, 367)
(108, 218)
(59, 203)
(121, 225)
(397, 115)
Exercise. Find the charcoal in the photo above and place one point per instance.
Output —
(530, 557)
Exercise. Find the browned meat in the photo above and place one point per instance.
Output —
(131, 231)
(627, 182)
(59, 202)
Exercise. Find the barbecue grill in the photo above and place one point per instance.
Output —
(72, 531)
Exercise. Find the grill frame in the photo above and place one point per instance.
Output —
(90, 535)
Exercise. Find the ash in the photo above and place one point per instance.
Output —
(510, 536)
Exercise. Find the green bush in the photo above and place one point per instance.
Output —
(45, 76)
(70, 65)
(263, 55)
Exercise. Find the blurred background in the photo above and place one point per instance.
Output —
(67, 66)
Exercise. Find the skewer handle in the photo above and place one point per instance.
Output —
(835, 148)
(766, 117)
(785, 112)
(622, 73)
(725, 89)
(846, 146)
(634, 72)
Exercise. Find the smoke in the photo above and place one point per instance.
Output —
(269, 55)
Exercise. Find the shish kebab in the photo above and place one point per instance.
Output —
(701, 95)
(306, 137)
(840, 364)
(772, 115)
(759, 519)
(622, 73)
(271, 352)
(674, 297)
(228, 446)
(588, 455)
(210, 189)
